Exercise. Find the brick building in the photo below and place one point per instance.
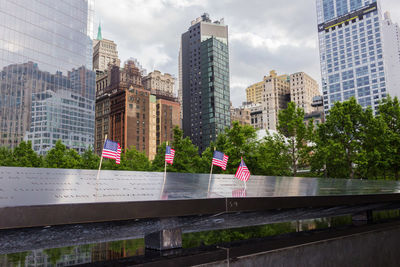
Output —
(129, 114)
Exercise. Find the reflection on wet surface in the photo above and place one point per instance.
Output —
(116, 250)
(35, 186)
(74, 255)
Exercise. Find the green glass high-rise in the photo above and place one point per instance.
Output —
(204, 70)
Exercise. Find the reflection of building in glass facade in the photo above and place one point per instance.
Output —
(62, 115)
(204, 69)
(352, 52)
(46, 58)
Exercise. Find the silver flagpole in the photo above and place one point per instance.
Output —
(209, 180)
(165, 172)
(101, 161)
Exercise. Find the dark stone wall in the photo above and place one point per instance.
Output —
(374, 248)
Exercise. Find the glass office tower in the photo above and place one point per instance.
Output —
(351, 52)
(47, 86)
(204, 76)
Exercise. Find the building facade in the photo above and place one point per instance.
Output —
(254, 92)
(45, 59)
(256, 118)
(241, 115)
(63, 115)
(130, 114)
(317, 114)
(121, 107)
(352, 52)
(391, 44)
(276, 95)
(104, 53)
(158, 83)
(168, 117)
(204, 65)
(302, 90)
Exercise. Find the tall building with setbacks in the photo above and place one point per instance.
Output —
(204, 81)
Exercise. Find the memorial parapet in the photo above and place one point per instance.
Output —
(63, 196)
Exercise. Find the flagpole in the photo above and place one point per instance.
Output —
(165, 172)
(101, 161)
(209, 180)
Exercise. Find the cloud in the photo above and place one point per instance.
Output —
(263, 35)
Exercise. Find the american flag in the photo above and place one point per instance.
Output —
(242, 172)
(220, 159)
(169, 155)
(239, 192)
(112, 150)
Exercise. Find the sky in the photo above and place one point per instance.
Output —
(264, 35)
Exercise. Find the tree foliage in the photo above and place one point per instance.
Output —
(237, 142)
(61, 157)
(272, 157)
(89, 160)
(352, 143)
(389, 112)
(291, 125)
(186, 158)
(134, 160)
(25, 156)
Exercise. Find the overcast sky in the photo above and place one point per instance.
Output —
(263, 34)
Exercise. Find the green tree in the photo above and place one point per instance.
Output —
(61, 157)
(272, 157)
(236, 142)
(158, 162)
(134, 160)
(25, 156)
(340, 139)
(72, 160)
(6, 157)
(55, 156)
(186, 158)
(206, 159)
(291, 125)
(372, 159)
(109, 164)
(89, 160)
(389, 111)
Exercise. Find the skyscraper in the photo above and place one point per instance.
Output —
(46, 83)
(104, 53)
(204, 69)
(302, 90)
(391, 44)
(352, 52)
(276, 96)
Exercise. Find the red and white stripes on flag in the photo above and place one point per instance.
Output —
(169, 155)
(112, 150)
(239, 192)
(220, 159)
(242, 172)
